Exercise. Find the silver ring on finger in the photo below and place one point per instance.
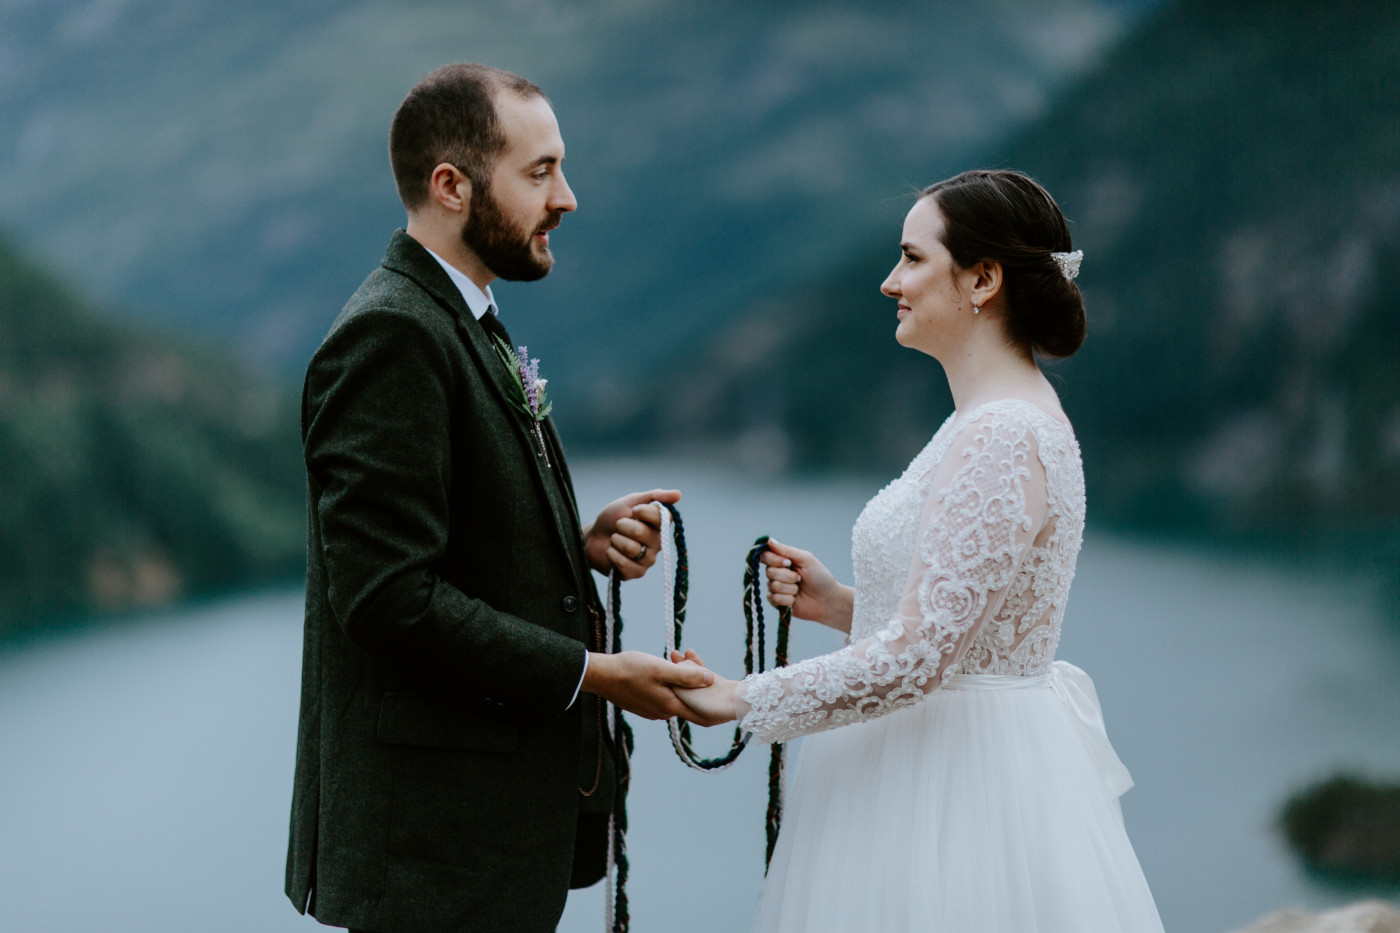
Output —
(642, 553)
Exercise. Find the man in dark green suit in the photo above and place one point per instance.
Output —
(453, 772)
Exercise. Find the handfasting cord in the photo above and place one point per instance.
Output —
(753, 619)
(675, 575)
(617, 918)
(678, 568)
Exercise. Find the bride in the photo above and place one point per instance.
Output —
(962, 780)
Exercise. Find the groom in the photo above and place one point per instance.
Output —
(453, 772)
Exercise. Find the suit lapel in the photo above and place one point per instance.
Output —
(547, 477)
(407, 257)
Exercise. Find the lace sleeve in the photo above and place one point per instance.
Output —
(985, 503)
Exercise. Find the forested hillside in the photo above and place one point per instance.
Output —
(135, 469)
(1233, 177)
(1230, 171)
(222, 170)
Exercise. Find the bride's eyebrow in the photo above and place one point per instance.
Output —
(908, 247)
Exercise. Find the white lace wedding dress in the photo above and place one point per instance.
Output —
(971, 787)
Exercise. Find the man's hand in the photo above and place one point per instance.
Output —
(641, 683)
(627, 534)
(708, 706)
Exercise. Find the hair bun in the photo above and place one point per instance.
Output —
(1005, 217)
(1049, 317)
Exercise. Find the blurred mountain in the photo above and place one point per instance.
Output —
(1233, 176)
(136, 470)
(218, 172)
(222, 168)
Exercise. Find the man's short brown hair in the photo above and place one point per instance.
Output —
(450, 116)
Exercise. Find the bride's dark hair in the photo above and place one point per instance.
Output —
(1005, 217)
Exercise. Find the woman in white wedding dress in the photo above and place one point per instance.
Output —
(970, 787)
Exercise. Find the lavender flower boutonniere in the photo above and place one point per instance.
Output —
(531, 400)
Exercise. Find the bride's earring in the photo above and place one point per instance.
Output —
(976, 309)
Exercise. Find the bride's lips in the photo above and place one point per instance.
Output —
(902, 310)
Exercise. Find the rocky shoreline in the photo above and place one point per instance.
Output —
(1346, 828)
(1363, 917)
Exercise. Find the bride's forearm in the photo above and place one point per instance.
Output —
(842, 606)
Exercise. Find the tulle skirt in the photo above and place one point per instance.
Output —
(990, 807)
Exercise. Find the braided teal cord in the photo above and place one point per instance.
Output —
(684, 749)
(681, 589)
(622, 732)
(753, 618)
(754, 625)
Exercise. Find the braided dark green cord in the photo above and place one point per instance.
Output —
(753, 618)
(679, 596)
(623, 734)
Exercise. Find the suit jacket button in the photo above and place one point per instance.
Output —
(570, 604)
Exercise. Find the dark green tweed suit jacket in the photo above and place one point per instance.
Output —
(448, 609)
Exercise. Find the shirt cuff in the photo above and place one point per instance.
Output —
(574, 698)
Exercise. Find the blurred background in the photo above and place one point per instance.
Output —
(189, 191)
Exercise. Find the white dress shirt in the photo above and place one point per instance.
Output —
(480, 301)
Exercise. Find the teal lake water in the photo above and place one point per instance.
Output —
(145, 767)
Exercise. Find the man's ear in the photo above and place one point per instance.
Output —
(450, 188)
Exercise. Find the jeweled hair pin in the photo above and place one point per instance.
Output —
(1068, 263)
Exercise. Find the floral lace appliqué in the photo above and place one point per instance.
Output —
(962, 564)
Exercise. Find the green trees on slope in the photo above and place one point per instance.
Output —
(134, 469)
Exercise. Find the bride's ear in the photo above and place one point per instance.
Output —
(986, 284)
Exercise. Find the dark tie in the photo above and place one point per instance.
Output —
(493, 326)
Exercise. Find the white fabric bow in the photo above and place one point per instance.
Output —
(1074, 687)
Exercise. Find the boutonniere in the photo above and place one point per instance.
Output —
(531, 400)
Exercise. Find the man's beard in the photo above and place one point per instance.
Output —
(504, 248)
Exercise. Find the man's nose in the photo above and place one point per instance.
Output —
(562, 197)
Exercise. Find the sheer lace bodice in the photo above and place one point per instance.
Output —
(962, 565)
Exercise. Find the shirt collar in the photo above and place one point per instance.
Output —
(478, 301)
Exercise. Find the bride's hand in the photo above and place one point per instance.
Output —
(708, 706)
(797, 579)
